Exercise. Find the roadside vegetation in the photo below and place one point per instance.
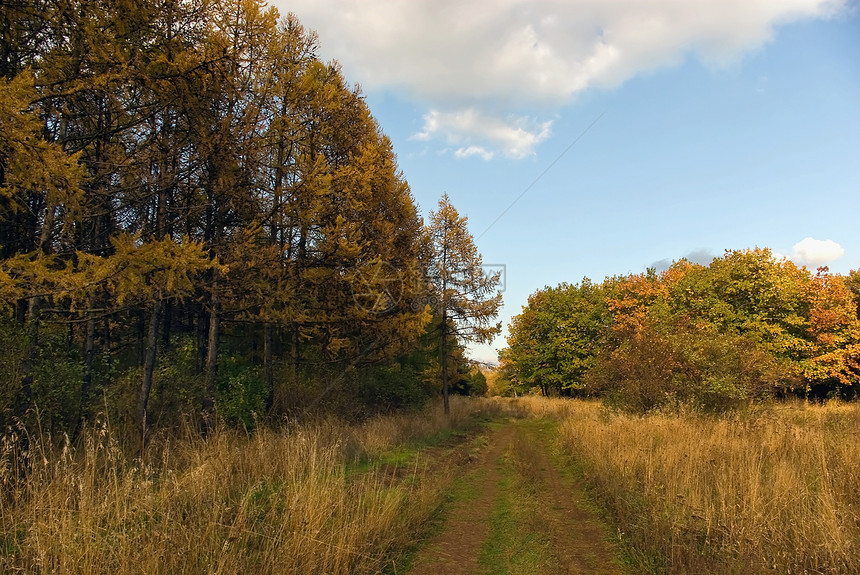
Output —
(717, 424)
(771, 489)
(744, 328)
(314, 497)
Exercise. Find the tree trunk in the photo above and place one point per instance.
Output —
(21, 311)
(24, 398)
(107, 345)
(267, 365)
(443, 348)
(294, 353)
(202, 336)
(24, 401)
(89, 352)
(444, 358)
(166, 324)
(141, 338)
(148, 368)
(212, 361)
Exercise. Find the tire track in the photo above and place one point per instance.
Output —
(516, 466)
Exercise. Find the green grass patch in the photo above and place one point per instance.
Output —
(464, 487)
(514, 545)
(405, 454)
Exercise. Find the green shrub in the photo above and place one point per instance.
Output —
(242, 392)
(691, 367)
(393, 386)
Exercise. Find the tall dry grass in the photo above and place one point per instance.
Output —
(281, 502)
(775, 491)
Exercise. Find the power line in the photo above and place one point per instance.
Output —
(543, 173)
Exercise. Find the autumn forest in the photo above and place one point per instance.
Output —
(744, 328)
(198, 215)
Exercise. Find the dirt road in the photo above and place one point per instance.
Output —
(512, 511)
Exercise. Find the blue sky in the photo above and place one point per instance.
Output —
(722, 125)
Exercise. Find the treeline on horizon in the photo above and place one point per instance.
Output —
(743, 328)
(197, 214)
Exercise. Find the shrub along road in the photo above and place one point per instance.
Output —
(512, 511)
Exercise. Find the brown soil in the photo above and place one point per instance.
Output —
(455, 549)
(578, 538)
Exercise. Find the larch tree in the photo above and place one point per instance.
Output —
(180, 180)
(468, 297)
(36, 178)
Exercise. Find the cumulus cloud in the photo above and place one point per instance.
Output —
(505, 55)
(779, 256)
(472, 131)
(473, 151)
(815, 253)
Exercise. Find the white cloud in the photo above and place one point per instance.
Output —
(473, 151)
(473, 132)
(504, 55)
(815, 253)
(779, 256)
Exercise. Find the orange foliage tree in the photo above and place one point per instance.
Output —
(744, 327)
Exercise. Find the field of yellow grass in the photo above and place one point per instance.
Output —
(772, 491)
(300, 500)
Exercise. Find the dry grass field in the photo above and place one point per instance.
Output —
(312, 498)
(773, 490)
(776, 490)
